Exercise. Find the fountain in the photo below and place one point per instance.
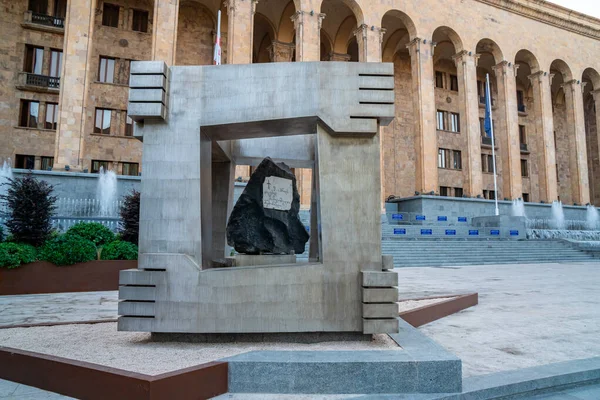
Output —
(518, 208)
(5, 175)
(106, 193)
(558, 216)
(591, 218)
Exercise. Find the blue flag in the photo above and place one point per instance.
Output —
(488, 109)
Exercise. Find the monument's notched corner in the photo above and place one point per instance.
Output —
(309, 114)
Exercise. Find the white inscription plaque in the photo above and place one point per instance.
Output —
(277, 193)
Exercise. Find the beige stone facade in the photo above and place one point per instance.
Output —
(542, 61)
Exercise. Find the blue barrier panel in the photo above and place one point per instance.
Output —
(442, 218)
(398, 217)
(462, 219)
(450, 232)
(420, 218)
(399, 231)
(514, 233)
(426, 232)
(474, 232)
(494, 232)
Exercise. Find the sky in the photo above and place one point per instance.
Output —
(590, 7)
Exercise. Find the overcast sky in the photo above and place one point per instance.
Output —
(590, 7)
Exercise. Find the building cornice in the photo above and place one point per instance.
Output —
(551, 14)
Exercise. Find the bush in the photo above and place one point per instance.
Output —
(1, 234)
(13, 255)
(30, 204)
(92, 231)
(68, 250)
(130, 217)
(119, 250)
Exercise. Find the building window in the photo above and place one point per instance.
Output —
(489, 194)
(106, 72)
(129, 127)
(441, 120)
(97, 164)
(34, 59)
(526, 197)
(30, 111)
(454, 122)
(439, 79)
(520, 101)
(483, 163)
(24, 161)
(444, 190)
(524, 169)
(131, 169)
(443, 158)
(490, 163)
(481, 92)
(458, 192)
(456, 159)
(110, 15)
(454, 83)
(482, 126)
(102, 123)
(51, 116)
(60, 8)
(47, 163)
(140, 21)
(38, 6)
(522, 136)
(55, 63)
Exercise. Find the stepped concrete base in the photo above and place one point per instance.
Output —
(248, 260)
(421, 366)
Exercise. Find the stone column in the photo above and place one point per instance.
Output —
(544, 128)
(308, 35)
(421, 56)
(507, 135)
(240, 30)
(369, 41)
(74, 83)
(164, 31)
(596, 95)
(466, 66)
(281, 52)
(576, 133)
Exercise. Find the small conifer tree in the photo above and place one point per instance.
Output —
(31, 205)
(130, 217)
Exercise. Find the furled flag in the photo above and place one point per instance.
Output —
(217, 55)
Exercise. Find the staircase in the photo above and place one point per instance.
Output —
(431, 252)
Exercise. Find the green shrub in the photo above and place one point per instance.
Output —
(13, 255)
(1, 234)
(68, 250)
(31, 205)
(119, 250)
(92, 231)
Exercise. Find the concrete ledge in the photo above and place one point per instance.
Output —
(383, 310)
(379, 279)
(381, 295)
(383, 325)
(422, 366)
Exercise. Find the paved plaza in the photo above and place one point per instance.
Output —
(528, 315)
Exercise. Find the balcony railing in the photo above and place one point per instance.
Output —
(523, 146)
(49, 20)
(44, 81)
(486, 140)
(522, 108)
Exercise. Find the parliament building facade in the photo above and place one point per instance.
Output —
(65, 72)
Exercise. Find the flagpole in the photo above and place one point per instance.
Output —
(489, 100)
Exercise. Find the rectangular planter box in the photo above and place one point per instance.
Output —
(44, 277)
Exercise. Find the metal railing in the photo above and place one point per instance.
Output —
(49, 20)
(523, 146)
(486, 140)
(43, 81)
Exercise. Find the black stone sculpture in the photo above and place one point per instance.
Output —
(254, 229)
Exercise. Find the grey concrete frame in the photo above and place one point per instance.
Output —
(196, 123)
(422, 366)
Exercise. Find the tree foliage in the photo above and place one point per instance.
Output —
(92, 231)
(31, 204)
(130, 217)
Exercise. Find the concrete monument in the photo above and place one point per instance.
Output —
(196, 124)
